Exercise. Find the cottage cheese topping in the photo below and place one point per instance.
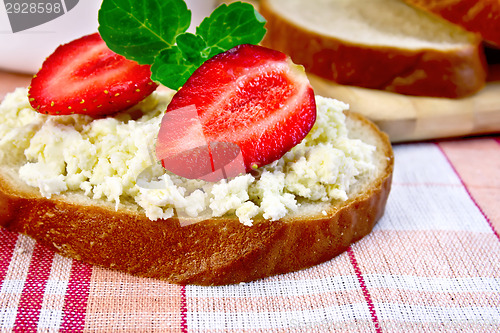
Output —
(113, 159)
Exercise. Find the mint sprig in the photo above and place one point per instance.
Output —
(153, 32)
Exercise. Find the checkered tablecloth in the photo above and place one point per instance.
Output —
(432, 264)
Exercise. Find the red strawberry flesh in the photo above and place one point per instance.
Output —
(85, 76)
(250, 96)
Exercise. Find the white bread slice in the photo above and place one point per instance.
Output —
(378, 44)
(482, 17)
(212, 252)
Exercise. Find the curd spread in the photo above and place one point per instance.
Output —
(112, 159)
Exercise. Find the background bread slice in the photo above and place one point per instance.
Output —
(377, 44)
(482, 17)
(212, 252)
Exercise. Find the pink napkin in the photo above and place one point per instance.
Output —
(431, 264)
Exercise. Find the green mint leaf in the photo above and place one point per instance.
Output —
(141, 29)
(231, 25)
(193, 47)
(173, 66)
(153, 32)
(172, 69)
(228, 26)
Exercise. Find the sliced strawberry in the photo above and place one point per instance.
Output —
(250, 96)
(86, 77)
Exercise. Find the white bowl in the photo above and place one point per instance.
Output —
(25, 51)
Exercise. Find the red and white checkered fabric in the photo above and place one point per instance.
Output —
(432, 264)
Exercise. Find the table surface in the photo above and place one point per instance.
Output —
(432, 264)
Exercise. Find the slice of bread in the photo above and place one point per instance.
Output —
(378, 44)
(482, 17)
(212, 252)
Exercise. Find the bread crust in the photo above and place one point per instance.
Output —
(482, 17)
(426, 72)
(213, 252)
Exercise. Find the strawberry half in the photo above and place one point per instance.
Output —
(86, 77)
(250, 96)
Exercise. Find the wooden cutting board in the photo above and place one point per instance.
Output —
(409, 118)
